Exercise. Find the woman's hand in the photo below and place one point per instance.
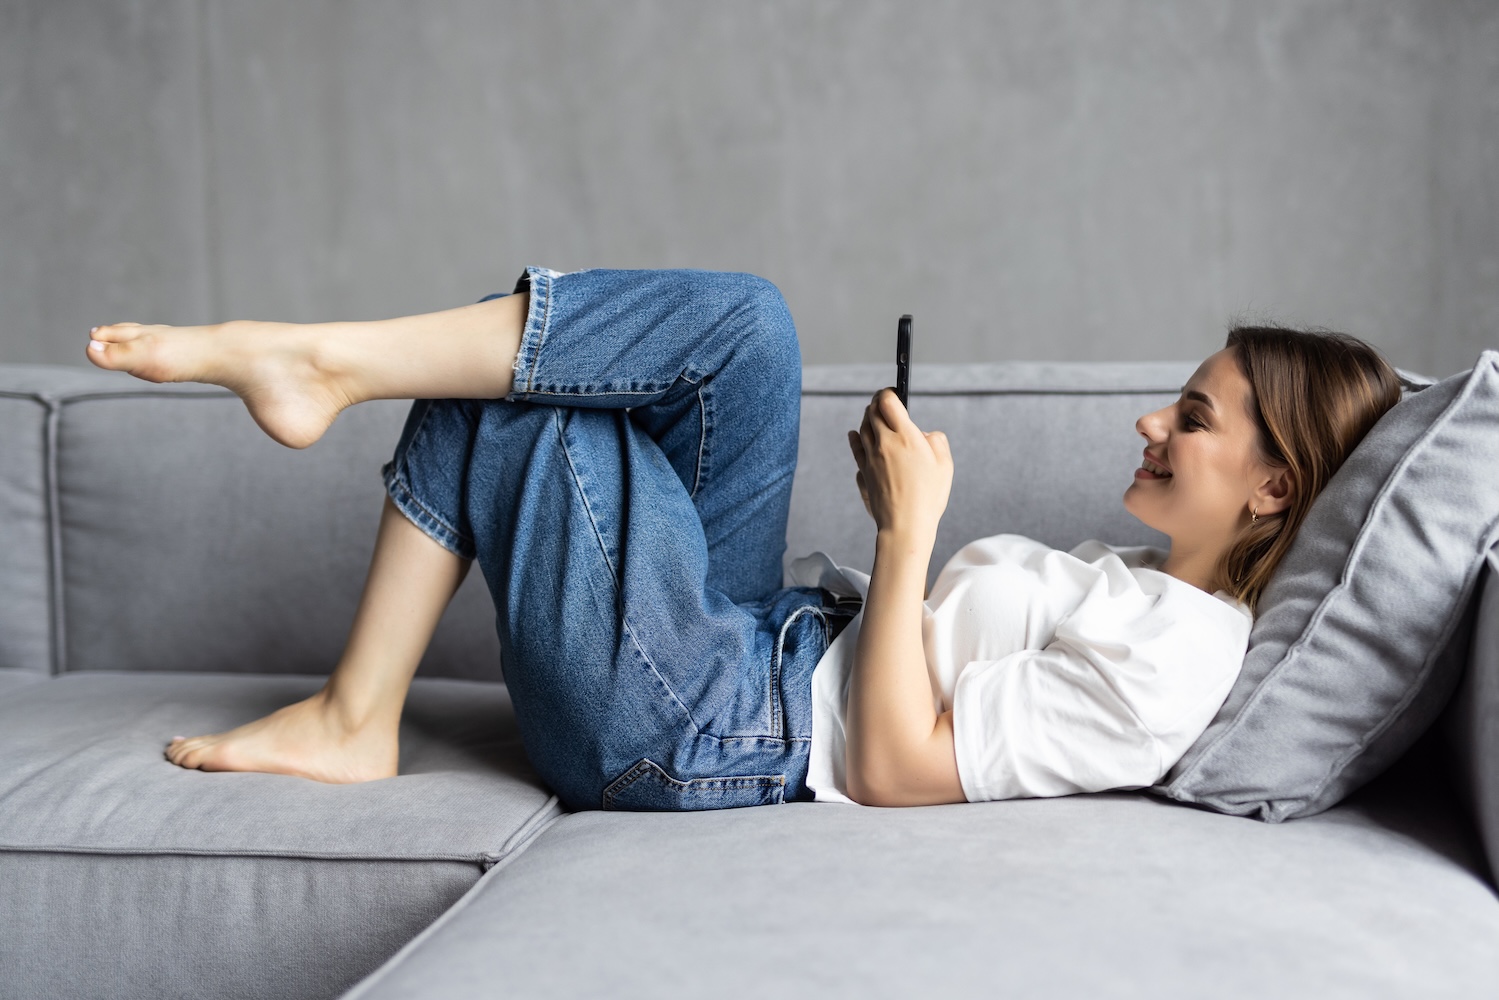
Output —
(905, 475)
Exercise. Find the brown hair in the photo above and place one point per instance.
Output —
(1314, 395)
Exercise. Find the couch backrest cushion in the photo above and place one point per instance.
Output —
(25, 557)
(1362, 633)
(1044, 450)
(188, 540)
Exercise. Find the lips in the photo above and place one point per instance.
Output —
(1156, 467)
(1151, 470)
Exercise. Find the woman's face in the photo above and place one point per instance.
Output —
(1208, 441)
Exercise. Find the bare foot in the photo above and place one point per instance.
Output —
(274, 367)
(308, 739)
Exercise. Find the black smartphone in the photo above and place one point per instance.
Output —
(903, 359)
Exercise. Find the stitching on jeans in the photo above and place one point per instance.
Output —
(649, 768)
(702, 441)
(405, 485)
(613, 573)
(584, 390)
(777, 724)
(545, 281)
(456, 542)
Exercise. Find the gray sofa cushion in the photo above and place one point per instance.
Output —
(1044, 450)
(108, 838)
(13, 680)
(1359, 642)
(25, 569)
(178, 927)
(464, 790)
(1470, 725)
(1087, 896)
(193, 542)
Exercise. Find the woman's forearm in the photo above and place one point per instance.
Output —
(890, 711)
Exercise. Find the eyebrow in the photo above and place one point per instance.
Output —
(1201, 397)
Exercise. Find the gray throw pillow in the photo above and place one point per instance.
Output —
(1357, 645)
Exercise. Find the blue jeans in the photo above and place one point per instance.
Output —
(627, 505)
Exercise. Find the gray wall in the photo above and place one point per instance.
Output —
(1039, 180)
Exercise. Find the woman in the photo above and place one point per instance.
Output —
(616, 449)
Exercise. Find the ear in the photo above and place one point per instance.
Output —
(1275, 492)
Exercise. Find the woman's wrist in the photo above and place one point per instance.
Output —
(914, 541)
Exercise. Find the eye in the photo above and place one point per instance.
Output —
(1194, 424)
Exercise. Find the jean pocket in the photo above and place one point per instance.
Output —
(645, 787)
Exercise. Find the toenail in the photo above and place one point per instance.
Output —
(96, 345)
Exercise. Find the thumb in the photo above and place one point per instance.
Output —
(939, 444)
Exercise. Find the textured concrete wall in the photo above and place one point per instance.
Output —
(1032, 180)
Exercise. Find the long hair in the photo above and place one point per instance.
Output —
(1314, 393)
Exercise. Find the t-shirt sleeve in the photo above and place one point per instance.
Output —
(1112, 702)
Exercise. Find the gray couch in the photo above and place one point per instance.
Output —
(167, 569)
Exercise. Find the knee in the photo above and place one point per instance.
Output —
(769, 323)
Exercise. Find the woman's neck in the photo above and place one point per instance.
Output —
(1195, 566)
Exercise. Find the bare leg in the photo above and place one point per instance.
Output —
(348, 730)
(296, 378)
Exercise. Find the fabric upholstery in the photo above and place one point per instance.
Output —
(127, 876)
(220, 549)
(25, 568)
(180, 927)
(1089, 896)
(1470, 724)
(463, 791)
(14, 680)
(1041, 450)
(1361, 634)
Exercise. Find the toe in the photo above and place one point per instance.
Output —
(181, 747)
(199, 753)
(115, 333)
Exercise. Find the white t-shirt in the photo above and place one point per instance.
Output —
(1066, 672)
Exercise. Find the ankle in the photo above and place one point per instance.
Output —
(357, 711)
(332, 351)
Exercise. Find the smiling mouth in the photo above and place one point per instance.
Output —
(1154, 469)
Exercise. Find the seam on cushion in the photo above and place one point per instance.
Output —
(527, 832)
(1058, 391)
(443, 919)
(76, 397)
(478, 858)
(1459, 610)
(1294, 651)
(56, 621)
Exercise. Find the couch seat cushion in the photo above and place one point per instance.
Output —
(14, 680)
(463, 792)
(1087, 896)
(190, 884)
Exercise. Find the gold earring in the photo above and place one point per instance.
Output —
(1254, 515)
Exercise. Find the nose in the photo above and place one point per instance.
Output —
(1150, 425)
